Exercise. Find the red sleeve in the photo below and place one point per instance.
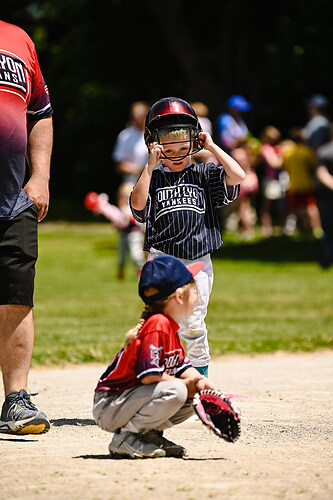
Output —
(151, 355)
(39, 106)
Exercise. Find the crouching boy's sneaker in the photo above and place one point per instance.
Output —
(20, 416)
(131, 445)
(171, 449)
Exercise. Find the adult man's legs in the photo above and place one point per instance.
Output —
(18, 254)
(16, 340)
(19, 415)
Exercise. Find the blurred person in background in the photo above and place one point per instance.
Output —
(131, 233)
(202, 112)
(231, 129)
(300, 164)
(324, 176)
(317, 130)
(231, 126)
(245, 155)
(130, 152)
(273, 180)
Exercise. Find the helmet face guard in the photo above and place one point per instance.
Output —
(173, 116)
(187, 134)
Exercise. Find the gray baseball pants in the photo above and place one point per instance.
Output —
(144, 407)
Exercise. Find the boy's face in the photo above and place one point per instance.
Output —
(174, 150)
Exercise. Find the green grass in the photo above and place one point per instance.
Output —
(268, 295)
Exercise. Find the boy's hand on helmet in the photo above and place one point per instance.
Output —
(155, 150)
(205, 140)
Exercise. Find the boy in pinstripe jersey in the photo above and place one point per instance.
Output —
(178, 202)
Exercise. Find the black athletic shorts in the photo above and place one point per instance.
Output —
(18, 255)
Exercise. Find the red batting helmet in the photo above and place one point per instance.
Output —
(172, 113)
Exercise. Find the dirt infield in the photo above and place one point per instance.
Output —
(285, 451)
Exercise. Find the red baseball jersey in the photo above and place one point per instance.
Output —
(156, 349)
(23, 96)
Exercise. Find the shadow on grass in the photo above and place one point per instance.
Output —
(273, 249)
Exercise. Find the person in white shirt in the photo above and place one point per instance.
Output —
(130, 152)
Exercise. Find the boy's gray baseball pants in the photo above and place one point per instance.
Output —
(144, 407)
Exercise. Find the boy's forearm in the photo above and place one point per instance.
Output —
(154, 379)
(195, 382)
(191, 373)
(140, 191)
(234, 172)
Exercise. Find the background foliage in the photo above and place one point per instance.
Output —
(98, 56)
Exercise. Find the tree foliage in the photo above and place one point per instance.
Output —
(98, 56)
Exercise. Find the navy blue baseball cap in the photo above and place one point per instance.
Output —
(165, 274)
(239, 102)
(317, 100)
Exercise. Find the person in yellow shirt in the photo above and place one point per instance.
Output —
(300, 163)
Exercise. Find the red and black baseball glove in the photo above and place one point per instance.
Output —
(218, 414)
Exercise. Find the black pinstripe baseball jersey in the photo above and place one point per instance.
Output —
(181, 210)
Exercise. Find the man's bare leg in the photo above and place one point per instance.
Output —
(19, 415)
(16, 340)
